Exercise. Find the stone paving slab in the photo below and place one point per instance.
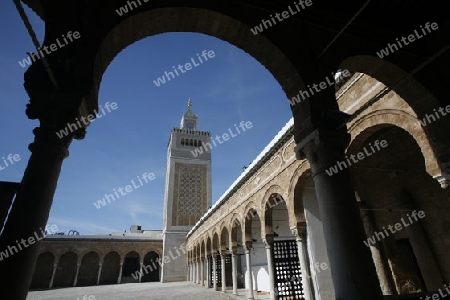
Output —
(139, 291)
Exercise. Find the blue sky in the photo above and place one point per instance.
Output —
(131, 140)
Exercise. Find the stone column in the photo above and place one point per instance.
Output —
(193, 271)
(140, 272)
(99, 273)
(351, 263)
(376, 250)
(76, 276)
(248, 259)
(234, 271)
(223, 273)
(29, 213)
(208, 272)
(214, 275)
(411, 222)
(119, 279)
(268, 242)
(300, 236)
(55, 266)
(202, 272)
(197, 272)
(190, 272)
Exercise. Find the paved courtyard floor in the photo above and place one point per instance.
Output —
(138, 291)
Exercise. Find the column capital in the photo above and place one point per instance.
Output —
(45, 139)
(56, 109)
(248, 246)
(323, 148)
(299, 232)
(444, 180)
(322, 137)
(268, 240)
(54, 105)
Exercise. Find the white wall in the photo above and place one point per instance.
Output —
(317, 250)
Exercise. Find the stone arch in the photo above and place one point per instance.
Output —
(272, 197)
(203, 248)
(43, 270)
(208, 245)
(373, 121)
(67, 268)
(251, 206)
(207, 22)
(267, 200)
(224, 238)
(251, 213)
(215, 242)
(199, 253)
(273, 200)
(235, 219)
(150, 267)
(83, 253)
(87, 274)
(235, 223)
(157, 251)
(51, 251)
(110, 268)
(131, 266)
(189, 255)
(194, 252)
(411, 90)
(300, 178)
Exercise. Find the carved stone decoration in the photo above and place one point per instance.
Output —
(189, 194)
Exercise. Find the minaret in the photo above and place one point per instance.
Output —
(187, 192)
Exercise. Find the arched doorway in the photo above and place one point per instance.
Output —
(44, 271)
(400, 205)
(287, 272)
(131, 267)
(88, 269)
(151, 267)
(110, 268)
(66, 270)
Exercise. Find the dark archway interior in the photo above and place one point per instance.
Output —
(391, 185)
(66, 270)
(44, 271)
(110, 268)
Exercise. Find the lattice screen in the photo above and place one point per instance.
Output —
(287, 270)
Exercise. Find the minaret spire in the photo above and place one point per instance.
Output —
(190, 106)
(189, 120)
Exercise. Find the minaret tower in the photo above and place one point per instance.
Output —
(187, 192)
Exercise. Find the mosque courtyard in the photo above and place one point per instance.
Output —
(139, 291)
